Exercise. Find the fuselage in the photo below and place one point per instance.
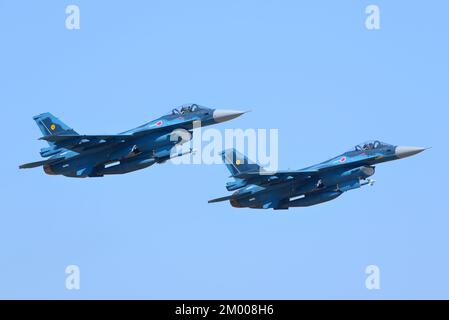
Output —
(333, 177)
(145, 145)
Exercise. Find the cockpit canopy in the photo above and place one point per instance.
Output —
(370, 145)
(188, 108)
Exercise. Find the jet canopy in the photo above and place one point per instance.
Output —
(370, 145)
(188, 108)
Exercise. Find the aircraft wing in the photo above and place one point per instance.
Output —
(282, 176)
(82, 142)
(305, 173)
(272, 176)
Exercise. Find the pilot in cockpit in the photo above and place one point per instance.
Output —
(186, 109)
(368, 146)
(189, 108)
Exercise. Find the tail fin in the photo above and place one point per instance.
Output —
(237, 162)
(50, 125)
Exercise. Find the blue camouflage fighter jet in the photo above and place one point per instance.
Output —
(258, 189)
(74, 155)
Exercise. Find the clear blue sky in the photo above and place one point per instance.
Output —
(309, 68)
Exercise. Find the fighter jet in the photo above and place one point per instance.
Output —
(73, 155)
(259, 189)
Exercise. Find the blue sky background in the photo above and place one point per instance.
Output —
(309, 68)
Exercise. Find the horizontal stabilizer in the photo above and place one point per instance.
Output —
(220, 199)
(38, 163)
(232, 196)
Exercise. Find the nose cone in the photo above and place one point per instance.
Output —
(221, 115)
(402, 152)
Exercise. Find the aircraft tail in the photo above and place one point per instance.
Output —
(50, 125)
(237, 163)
